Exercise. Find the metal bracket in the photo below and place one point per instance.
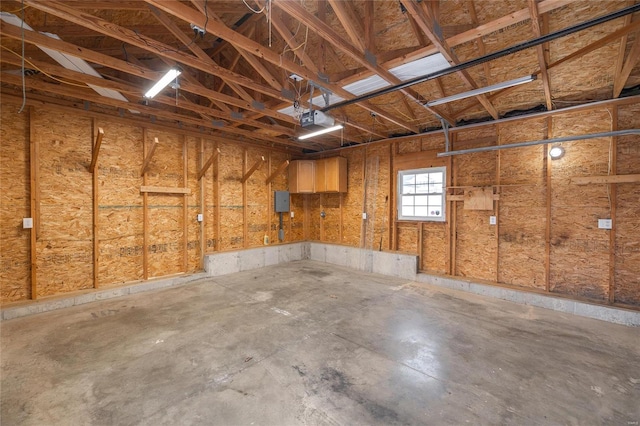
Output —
(445, 128)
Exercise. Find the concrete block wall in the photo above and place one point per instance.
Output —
(223, 263)
(556, 303)
(378, 262)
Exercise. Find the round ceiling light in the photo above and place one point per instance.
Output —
(556, 152)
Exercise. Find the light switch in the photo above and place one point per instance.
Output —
(292, 214)
(200, 218)
(492, 220)
(27, 223)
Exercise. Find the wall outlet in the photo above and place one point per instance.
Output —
(292, 215)
(200, 217)
(492, 220)
(604, 223)
(364, 215)
(27, 223)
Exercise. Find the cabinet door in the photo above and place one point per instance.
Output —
(335, 174)
(301, 176)
(321, 176)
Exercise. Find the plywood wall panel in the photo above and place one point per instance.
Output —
(314, 215)
(352, 201)
(331, 222)
(297, 221)
(579, 250)
(165, 216)
(627, 220)
(522, 207)
(231, 207)
(15, 268)
(476, 242)
(120, 215)
(194, 252)
(210, 188)
(434, 248)
(407, 237)
(258, 198)
(65, 248)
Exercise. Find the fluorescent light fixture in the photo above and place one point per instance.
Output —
(320, 132)
(163, 82)
(556, 152)
(483, 90)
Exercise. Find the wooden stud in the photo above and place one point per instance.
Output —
(148, 156)
(608, 179)
(245, 225)
(496, 206)
(185, 207)
(321, 218)
(216, 175)
(420, 244)
(95, 188)
(453, 179)
(613, 195)
(202, 209)
(96, 149)
(269, 200)
(253, 168)
(208, 164)
(279, 170)
(34, 188)
(547, 232)
(537, 32)
(164, 190)
(145, 212)
(448, 215)
(341, 195)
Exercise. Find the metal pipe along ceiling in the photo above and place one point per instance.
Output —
(541, 142)
(486, 58)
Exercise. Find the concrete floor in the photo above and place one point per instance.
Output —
(312, 343)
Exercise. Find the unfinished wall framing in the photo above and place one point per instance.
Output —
(546, 236)
(123, 223)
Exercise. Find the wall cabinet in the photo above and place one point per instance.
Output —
(314, 176)
(331, 175)
(302, 177)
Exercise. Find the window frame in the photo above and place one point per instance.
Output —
(442, 195)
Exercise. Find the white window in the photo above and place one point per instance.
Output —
(421, 194)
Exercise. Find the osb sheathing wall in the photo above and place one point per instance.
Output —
(546, 236)
(99, 230)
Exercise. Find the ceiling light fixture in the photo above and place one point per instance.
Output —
(483, 90)
(171, 75)
(556, 152)
(320, 132)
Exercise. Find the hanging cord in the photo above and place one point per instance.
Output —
(24, 84)
(252, 9)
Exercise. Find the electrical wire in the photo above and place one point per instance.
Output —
(252, 9)
(17, 10)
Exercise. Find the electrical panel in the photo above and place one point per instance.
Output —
(281, 201)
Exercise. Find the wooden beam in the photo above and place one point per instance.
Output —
(208, 163)
(189, 14)
(587, 180)
(548, 202)
(147, 158)
(480, 41)
(96, 149)
(537, 32)
(185, 206)
(253, 168)
(135, 39)
(369, 27)
(632, 59)
(164, 190)
(279, 170)
(428, 26)
(326, 32)
(350, 22)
